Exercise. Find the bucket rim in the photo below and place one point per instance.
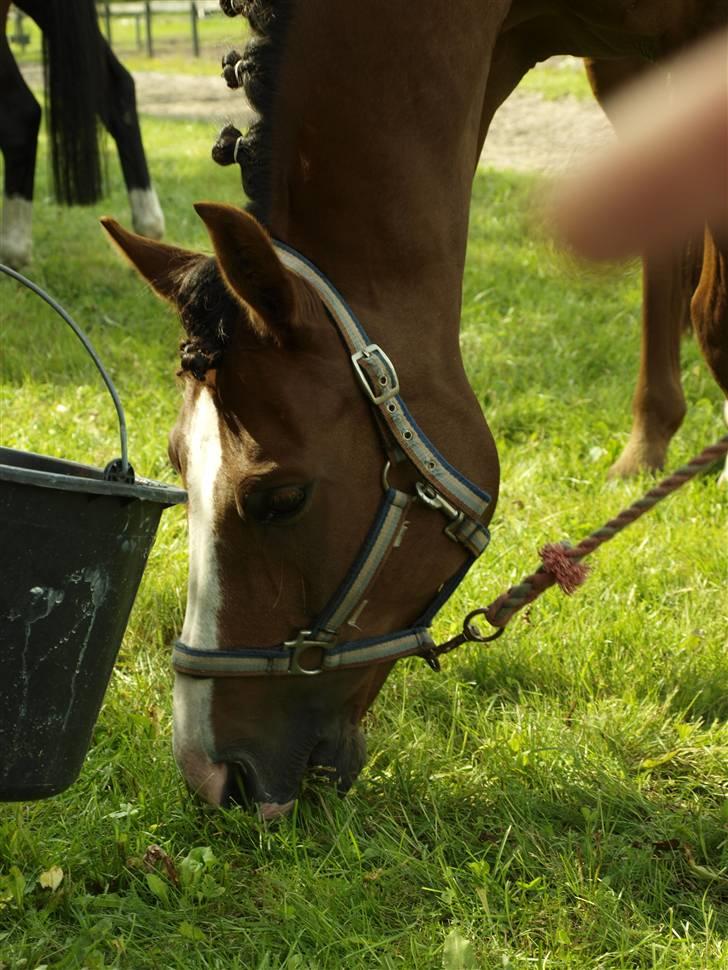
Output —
(79, 480)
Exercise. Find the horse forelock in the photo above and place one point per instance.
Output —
(207, 310)
(210, 313)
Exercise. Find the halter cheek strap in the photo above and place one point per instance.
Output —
(442, 489)
(380, 384)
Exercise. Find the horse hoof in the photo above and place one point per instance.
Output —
(640, 454)
(18, 259)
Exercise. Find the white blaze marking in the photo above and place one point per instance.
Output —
(203, 467)
(194, 742)
(146, 213)
(15, 231)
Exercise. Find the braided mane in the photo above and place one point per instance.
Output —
(204, 305)
(202, 297)
(256, 71)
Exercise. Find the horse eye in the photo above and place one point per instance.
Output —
(277, 505)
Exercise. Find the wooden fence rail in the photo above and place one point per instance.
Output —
(143, 11)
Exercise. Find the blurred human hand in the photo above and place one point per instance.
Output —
(667, 174)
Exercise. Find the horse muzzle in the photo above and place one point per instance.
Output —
(271, 781)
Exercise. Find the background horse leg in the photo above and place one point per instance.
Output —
(87, 80)
(71, 57)
(19, 123)
(658, 404)
(117, 110)
(709, 310)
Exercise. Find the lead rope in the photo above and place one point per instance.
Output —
(561, 563)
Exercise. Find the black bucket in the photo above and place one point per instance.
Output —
(74, 542)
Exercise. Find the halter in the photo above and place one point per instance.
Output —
(442, 488)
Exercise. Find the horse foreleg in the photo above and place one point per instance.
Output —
(709, 309)
(658, 405)
(19, 123)
(118, 112)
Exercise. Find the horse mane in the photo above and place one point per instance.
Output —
(256, 70)
(203, 300)
(204, 304)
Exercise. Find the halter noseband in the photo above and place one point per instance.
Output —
(442, 488)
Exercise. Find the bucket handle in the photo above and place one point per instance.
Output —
(118, 470)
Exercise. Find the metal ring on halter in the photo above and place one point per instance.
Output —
(473, 632)
(240, 139)
(385, 476)
(239, 70)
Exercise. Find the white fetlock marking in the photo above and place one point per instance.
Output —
(146, 213)
(15, 231)
(723, 480)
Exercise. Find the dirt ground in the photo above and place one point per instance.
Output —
(529, 133)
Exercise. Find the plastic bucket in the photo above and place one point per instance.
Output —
(74, 542)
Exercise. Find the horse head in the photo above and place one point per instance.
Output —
(303, 556)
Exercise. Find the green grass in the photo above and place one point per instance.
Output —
(555, 801)
(553, 81)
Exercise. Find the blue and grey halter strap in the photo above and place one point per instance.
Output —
(442, 488)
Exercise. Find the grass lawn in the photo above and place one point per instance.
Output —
(558, 78)
(555, 801)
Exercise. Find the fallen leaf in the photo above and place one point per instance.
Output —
(154, 856)
(51, 878)
(458, 952)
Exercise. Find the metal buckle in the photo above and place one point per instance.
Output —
(433, 499)
(370, 351)
(299, 646)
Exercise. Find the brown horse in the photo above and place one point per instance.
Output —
(328, 518)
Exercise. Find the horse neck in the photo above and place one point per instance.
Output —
(376, 139)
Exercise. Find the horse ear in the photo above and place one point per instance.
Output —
(157, 262)
(249, 264)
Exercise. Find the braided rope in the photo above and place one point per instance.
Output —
(561, 563)
(505, 606)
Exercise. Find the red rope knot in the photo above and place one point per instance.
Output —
(568, 573)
